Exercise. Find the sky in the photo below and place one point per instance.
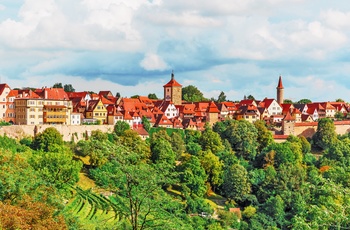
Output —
(132, 46)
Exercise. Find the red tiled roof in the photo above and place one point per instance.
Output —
(2, 87)
(212, 108)
(172, 82)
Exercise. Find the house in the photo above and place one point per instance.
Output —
(75, 119)
(248, 112)
(43, 106)
(163, 121)
(10, 114)
(4, 91)
(272, 106)
(96, 112)
(168, 108)
(113, 115)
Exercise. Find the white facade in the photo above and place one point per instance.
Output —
(75, 119)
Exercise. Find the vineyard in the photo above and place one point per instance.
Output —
(97, 211)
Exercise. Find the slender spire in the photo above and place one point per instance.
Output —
(280, 85)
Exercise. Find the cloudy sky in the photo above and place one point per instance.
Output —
(132, 46)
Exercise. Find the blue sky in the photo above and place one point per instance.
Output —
(131, 47)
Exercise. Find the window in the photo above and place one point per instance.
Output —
(3, 106)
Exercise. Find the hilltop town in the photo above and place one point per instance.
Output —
(55, 106)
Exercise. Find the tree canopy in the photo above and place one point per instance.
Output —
(192, 94)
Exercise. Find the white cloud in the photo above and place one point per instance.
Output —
(152, 61)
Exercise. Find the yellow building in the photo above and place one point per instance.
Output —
(44, 106)
(96, 111)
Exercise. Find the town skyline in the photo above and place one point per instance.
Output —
(132, 47)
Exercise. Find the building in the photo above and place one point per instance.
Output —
(4, 91)
(173, 91)
(280, 91)
(43, 106)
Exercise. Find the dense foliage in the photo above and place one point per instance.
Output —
(229, 176)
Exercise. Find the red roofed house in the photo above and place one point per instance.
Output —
(11, 111)
(43, 106)
(272, 106)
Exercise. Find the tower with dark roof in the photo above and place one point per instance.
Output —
(173, 91)
(280, 91)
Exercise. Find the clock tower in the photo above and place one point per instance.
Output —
(173, 91)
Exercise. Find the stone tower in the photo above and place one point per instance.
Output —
(173, 91)
(280, 91)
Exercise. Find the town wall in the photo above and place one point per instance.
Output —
(308, 129)
(68, 132)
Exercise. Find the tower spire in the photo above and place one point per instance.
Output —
(280, 91)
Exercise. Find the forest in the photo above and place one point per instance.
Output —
(229, 176)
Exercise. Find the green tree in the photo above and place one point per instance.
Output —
(264, 135)
(192, 94)
(211, 140)
(213, 168)
(152, 96)
(138, 193)
(339, 100)
(325, 135)
(339, 116)
(45, 140)
(146, 124)
(304, 101)
(57, 85)
(120, 127)
(221, 97)
(242, 136)
(193, 177)
(68, 88)
(274, 207)
(177, 144)
(287, 101)
(251, 97)
(57, 168)
(236, 183)
(162, 153)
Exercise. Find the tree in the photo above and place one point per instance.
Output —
(146, 124)
(45, 140)
(120, 127)
(57, 85)
(135, 96)
(213, 168)
(339, 100)
(251, 97)
(264, 135)
(325, 135)
(117, 95)
(211, 140)
(192, 94)
(57, 168)
(30, 214)
(242, 136)
(236, 183)
(138, 193)
(287, 101)
(162, 153)
(221, 97)
(339, 116)
(152, 96)
(192, 177)
(177, 144)
(68, 88)
(304, 101)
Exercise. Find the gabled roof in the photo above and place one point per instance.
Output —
(3, 87)
(13, 93)
(266, 102)
(92, 105)
(212, 108)
(289, 117)
(163, 120)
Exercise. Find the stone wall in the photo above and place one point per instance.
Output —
(307, 129)
(69, 132)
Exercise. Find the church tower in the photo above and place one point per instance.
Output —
(280, 91)
(173, 91)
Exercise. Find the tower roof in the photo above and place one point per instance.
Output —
(280, 85)
(172, 82)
